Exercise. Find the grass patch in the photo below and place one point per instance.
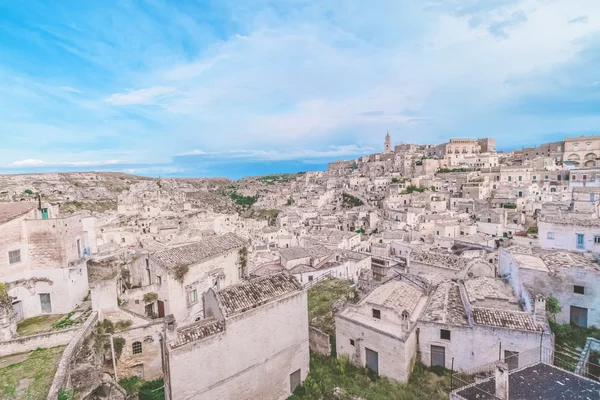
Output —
(328, 373)
(351, 201)
(321, 298)
(30, 379)
(38, 324)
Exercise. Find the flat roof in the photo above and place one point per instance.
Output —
(540, 381)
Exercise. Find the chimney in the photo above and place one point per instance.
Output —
(501, 378)
(539, 310)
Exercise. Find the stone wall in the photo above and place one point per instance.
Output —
(43, 340)
(319, 341)
(61, 378)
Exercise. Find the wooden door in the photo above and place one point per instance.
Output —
(372, 360)
(161, 308)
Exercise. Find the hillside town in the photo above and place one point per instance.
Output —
(480, 265)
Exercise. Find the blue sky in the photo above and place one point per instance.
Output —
(234, 88)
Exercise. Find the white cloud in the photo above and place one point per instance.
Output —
(141, 96)
(31, 162)
(69, 89)
(283, 154)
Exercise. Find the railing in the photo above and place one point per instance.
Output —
(310, 284)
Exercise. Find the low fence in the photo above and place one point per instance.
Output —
(319, 341)
(61, 378)
(41, 340)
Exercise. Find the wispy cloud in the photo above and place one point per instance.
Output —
(30, 162)
(142, 81)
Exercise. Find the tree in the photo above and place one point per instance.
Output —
(553, 307)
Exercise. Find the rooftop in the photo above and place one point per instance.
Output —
(540, 381)
(483, 290)
(397, 295)
(10, 211)
(448, 261)
(445, 306)
(549, 260)
(247, 295)
(199, 251)
(570, 220)
(510, 319)
(197, 331)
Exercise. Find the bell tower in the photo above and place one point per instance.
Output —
(387, 147)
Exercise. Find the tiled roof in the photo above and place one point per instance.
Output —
(504, 319)
(446, 306)
(485, 288)
(449, 261)
(396, 295)
(571, 220)
(198, 331)
(10, 211)
(244, 296)
(199, 251)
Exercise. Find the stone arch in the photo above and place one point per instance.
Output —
(590, 156)
(479, 267)
(573, 157)
(590, 163)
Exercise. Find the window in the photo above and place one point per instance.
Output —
(592, 197)
(597, 239)
(79, 248)
(122, 240)
(550, 235)
(193, 296)
(14, 257)
(580, 240)
(559, 178)
(520, 178)
(574, 177)
(444, 334)
(546, 177)
(45, 303)
(510, 178)
(578, 289)
(351, 342)
(534, 178)
(567, 177)
(136, 347)
(575, 147)
(310, 278)
(158, 280)
(559, 148)
(584, 177)
(376, 313)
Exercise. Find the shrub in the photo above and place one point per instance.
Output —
(121, 325)
(64, 394)
(152, 390)
(180, 271)
(131, 384)
(150, 297)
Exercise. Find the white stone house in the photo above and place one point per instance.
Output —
(474, 321)
(572, 278)
(252, 345)
(438, 267)
(179, 276)
(569, 233)
(43, 258)
(380, 331)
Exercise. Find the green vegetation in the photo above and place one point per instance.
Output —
(38, 324)
(131, 384)
(264, 214)
(180, 271)
(67, 322)
(321, 298)
(328, 373)
(279, 178)
(246, 201)
(122, 325)
(452, 170)
(533, 230)
(66, 394)
(360, 231)
(511, 206)
(28, 191)
(290, 201)
(351, 201)
(69, 207)
(87, 296)
(573, 336)
(413, 188)
(150, 297)
(553, 307)
(152, 390)
(31, 378)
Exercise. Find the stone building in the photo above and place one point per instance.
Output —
(43, 258)
(472, 321)
(387, 147)
(573, 279)
(380, 331)
(569, 232)
(582, 151)
(176, 278)
(253, 343)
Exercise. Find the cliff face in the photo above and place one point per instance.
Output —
(8, 320)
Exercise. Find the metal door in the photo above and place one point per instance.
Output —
(18, 308)
(295, 378)
(438, 356)
(372, 360)
(46, 303)
(579, 316)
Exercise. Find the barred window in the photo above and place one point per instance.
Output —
(14, 257)
(137, 347)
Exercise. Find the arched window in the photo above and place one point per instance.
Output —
(136, 347)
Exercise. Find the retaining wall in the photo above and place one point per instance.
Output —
(41, 340)
(319, 341)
